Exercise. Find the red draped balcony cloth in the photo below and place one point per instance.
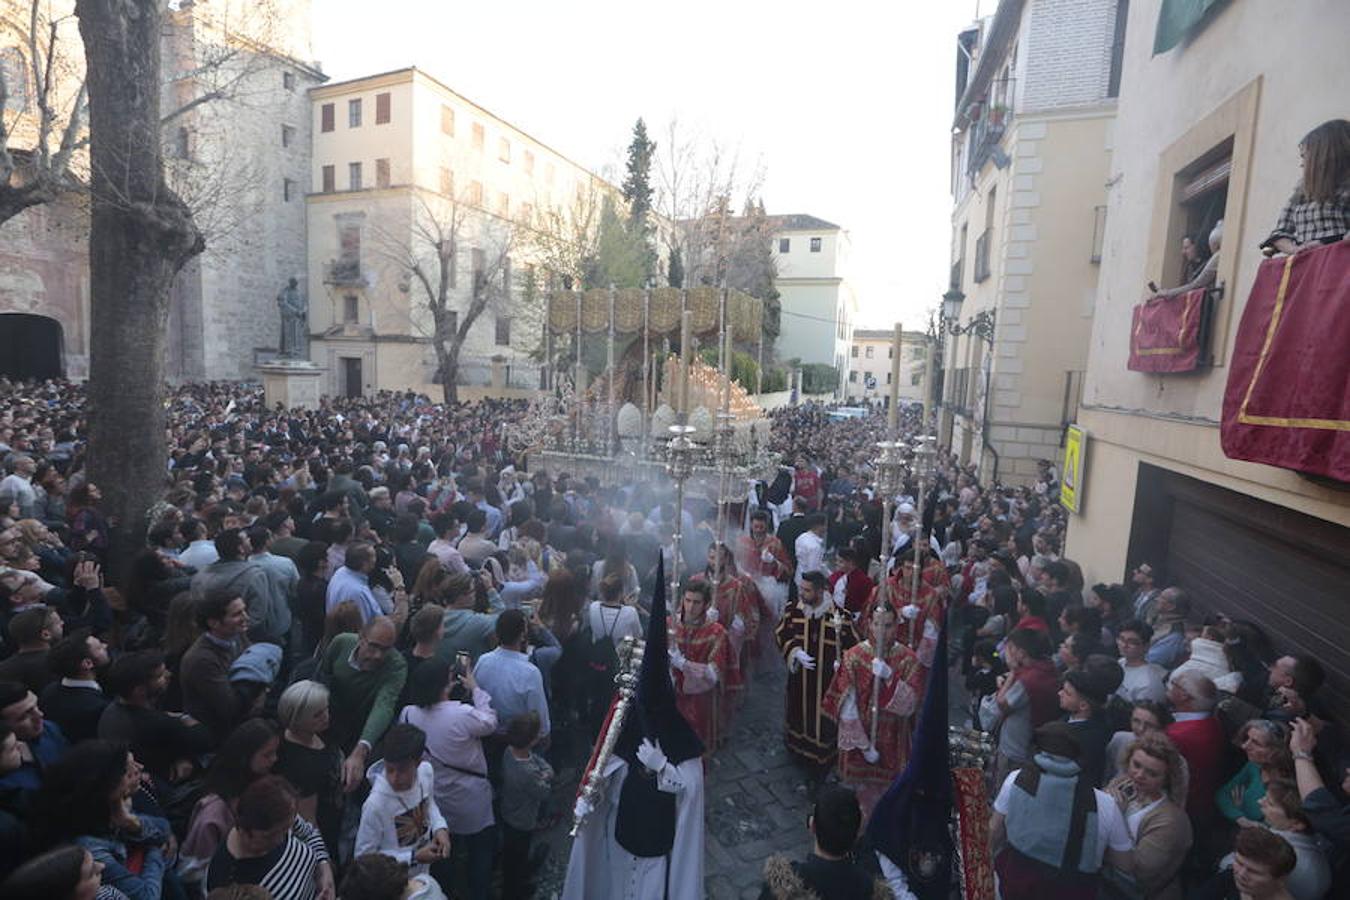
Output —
(1287, 402)
(1165, 333)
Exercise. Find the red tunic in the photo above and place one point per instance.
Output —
(806, 485)
(750, 557)
(698, 691)
(857, 589)
(897, 703)
(899, 592)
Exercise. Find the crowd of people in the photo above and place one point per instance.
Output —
(359, 640)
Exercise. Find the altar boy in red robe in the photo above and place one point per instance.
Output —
(738, 606)
(701, 659)
(874, 739)
(849, 585)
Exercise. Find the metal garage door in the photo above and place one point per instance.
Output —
(1253, 560)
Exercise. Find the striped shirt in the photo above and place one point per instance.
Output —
(286, 872)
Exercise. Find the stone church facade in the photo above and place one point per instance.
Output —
(242, 162)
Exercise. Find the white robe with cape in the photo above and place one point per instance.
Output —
(599, 869)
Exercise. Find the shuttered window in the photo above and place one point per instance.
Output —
(382, 109)
(327, 117)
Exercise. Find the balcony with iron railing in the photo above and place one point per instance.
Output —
(990, 117)
(345, 271)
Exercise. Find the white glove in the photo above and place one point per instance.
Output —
(910, 612)
(738, 624)
(651, 755)
(880, 669)
(804, 659)
(713, 614)
(582, 809)
(677, 659)
(871, 755)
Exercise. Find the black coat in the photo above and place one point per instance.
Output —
(75, 709)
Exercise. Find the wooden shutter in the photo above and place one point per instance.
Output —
(327, 117)
(382, 109)
(329, 179)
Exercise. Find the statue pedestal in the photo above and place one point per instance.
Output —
(294, 383)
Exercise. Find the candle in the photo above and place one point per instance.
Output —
(686, 323)
(893, 414)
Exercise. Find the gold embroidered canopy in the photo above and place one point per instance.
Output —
(659, 308)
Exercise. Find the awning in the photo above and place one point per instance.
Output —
(1177, 19)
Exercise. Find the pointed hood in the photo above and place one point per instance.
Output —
(657, 716)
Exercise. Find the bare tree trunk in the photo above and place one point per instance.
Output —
(141, 234)
(450, 371)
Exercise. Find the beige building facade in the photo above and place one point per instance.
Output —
(817, 301)
(1210, 128)
(871, 357)
(397, 155)
(1030, 148)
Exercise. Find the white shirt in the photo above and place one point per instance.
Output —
(618, 623)
(1111, 829)
(810, 549)
(1146, 682)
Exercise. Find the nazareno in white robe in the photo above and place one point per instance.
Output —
(599, 869)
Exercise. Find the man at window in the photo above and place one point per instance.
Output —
(1208, 272)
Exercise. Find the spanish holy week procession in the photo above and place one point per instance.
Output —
(421, 485)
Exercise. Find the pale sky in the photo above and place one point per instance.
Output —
(846, 105)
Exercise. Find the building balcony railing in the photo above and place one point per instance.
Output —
(344, 272)
(982, 255)
(990, 119)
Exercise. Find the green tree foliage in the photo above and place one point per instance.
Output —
(620, 257)
(637, 192)
(675, 269)
(775, 380)
(743, 367)
(818, 378)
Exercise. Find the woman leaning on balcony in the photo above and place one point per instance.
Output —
(1319, 210)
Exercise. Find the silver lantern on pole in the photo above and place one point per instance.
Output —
(679, 466)
(921, 466)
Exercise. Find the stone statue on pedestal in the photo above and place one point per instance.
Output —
(294, 320)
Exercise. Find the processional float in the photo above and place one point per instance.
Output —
(619, 427)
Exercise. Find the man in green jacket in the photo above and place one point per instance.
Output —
(365, 676)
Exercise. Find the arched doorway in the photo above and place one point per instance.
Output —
(30, 346)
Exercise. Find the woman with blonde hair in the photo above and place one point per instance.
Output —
(312, 766)
(1319, 210)
(1151, 793)
(430, 586)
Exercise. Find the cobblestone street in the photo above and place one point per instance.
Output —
(756, 799)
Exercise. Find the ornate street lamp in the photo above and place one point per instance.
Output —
(982, 326)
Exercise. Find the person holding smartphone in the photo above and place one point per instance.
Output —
(456, 715)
